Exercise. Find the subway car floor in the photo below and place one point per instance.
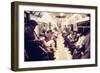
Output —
(62, 53)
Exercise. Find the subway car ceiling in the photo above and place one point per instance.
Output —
(59, 18)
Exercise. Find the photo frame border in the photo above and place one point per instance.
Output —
(15, 34)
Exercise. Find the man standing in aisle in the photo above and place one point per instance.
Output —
(33, 51)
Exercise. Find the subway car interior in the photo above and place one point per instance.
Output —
(56, 36)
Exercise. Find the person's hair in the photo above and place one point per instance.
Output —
(49, 31)
(31, 23)
(29, 26)
(74, 31)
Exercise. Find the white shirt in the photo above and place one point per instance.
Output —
(80, 41)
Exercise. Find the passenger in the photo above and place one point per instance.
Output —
(33, 48)
(81, 45)
(86, 53)
(70, 40)
(50, 41)
(73, 37)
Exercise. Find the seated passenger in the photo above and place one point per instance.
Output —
(73, 37)
(86, 53)
(81, 45)
(50, 44)
(78, 47)
(70, 40)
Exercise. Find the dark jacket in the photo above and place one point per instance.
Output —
(32, 50)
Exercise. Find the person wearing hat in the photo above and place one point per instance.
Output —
(33, 51)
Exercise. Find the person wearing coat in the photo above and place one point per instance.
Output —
(32, 45)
